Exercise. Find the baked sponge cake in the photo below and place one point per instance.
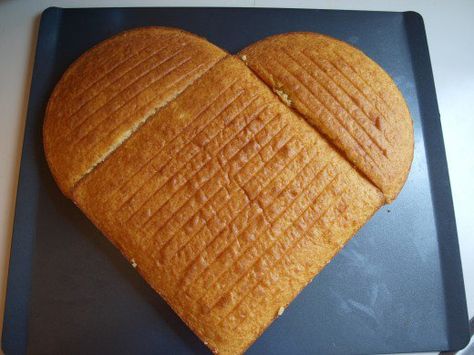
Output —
(346, 96)
(113, 88)
(225, 199)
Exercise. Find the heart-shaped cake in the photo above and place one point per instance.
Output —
(229, 182)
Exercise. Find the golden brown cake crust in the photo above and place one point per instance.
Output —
(226, 201)
(110, 90)
(344, 95)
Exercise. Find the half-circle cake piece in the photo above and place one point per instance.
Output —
(346, 96)
(226, 199)
(113, 88)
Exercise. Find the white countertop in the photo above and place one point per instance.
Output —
(450, 32)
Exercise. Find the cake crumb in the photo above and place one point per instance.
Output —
(244, 58)
(134, 264)
(281, 310)
(284, 97)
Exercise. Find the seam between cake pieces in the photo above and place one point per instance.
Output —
(283, 97)
(137, 126)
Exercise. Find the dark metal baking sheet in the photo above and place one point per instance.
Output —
(396, 287)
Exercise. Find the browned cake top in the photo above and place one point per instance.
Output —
(344, 95)
(226, 200)
(112, 89)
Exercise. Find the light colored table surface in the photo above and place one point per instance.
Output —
(450, 31)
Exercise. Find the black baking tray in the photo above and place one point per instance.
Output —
(396, 287)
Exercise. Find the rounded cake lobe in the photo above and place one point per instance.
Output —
(344, 95)
(112, 89)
